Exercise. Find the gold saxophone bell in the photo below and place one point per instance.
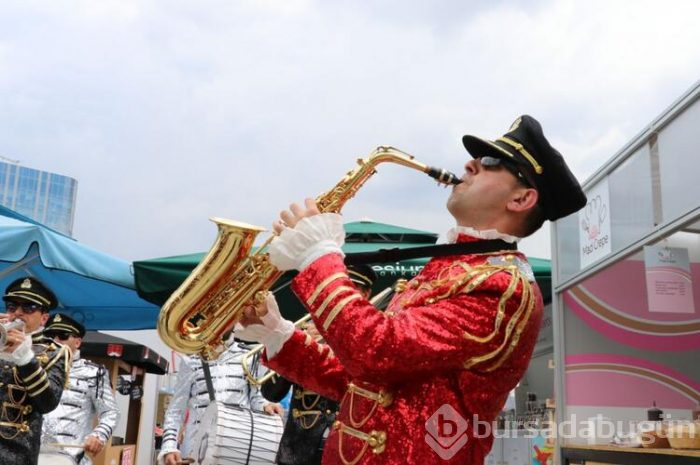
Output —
(198, 313)
(229, 279)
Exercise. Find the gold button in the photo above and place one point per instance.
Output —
(430, 301)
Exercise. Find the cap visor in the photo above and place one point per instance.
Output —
(478, 148)
(24, 298)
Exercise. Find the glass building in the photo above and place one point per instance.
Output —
(48, 198)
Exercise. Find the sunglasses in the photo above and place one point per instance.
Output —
(62, 336)
(492, 162)
(12, 307)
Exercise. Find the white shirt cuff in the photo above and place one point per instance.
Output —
(312, 237)
(275, 339)
(23, 354)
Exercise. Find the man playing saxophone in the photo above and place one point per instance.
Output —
(453, 343)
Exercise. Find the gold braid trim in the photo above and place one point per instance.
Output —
(336, 310)
(16, 388)
(522, 315)
(20, 427)
(501, 313)
(374, 439)
(29, 378)
(521, 327)
(67, 355)
(333, 294)
(62, 352)
(302, 417)
(36, 393)
(42, 379)
(301, 395)
(308, 340)
(322, 286)
(444, 277)
(68, 363)
(471, 279)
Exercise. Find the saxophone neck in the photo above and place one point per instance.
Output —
(394, 155)
(386, 154)
(333, 200)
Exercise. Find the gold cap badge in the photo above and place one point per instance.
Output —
(515, 125)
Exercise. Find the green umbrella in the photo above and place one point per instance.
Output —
(371, 231)
(157, 278)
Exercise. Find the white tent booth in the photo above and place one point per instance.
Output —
(626, 305)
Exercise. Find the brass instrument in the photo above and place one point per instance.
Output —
(5, 328)
(212, 298)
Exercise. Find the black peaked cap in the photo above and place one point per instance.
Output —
(62, 323)
(525, 144)
(362, 275)
(32, 290)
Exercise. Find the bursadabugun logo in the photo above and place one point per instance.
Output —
(447, 432)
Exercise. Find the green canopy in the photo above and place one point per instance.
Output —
(157, 278)
(370, 231)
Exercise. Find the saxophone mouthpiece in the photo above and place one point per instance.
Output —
(443, 176)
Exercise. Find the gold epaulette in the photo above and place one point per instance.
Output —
(60, 352)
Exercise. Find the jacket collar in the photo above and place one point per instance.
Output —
(469, 234)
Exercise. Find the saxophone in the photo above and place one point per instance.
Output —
(212, 298)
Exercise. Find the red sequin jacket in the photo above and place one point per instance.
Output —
(415, 379)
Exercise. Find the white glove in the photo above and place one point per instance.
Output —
(312, 237)
(274, 331)
(160, 460)
(22, 354)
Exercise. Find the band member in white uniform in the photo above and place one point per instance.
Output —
(230, 387)
(87, 413)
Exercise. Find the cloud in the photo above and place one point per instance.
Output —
(171, 112)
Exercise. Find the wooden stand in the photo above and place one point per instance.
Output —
(124, 454)
(571, 454)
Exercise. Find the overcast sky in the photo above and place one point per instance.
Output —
(169, 112)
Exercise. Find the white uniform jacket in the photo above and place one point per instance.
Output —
(89, 394)
(230, 387)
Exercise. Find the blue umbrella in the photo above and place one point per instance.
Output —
(92, 287)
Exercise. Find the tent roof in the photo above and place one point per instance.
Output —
(94, 288)
(98, 344)
(9, 213)
(371, 231)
